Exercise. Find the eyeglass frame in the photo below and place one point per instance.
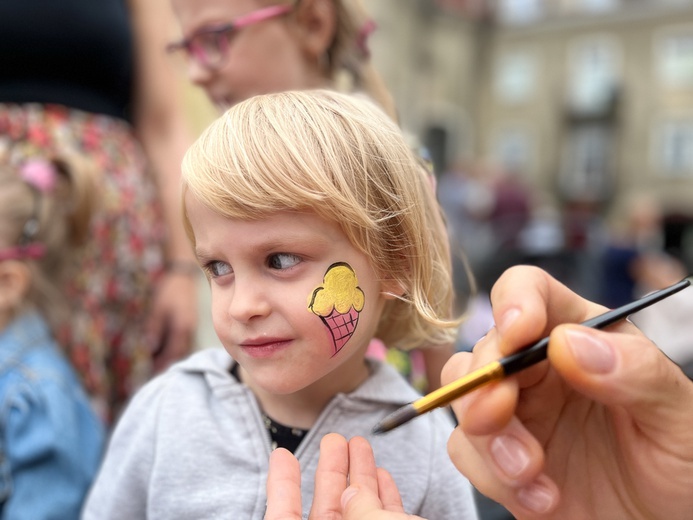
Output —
(195, 51)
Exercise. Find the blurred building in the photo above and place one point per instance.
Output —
(590, 100)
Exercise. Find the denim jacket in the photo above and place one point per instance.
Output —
(51, 441)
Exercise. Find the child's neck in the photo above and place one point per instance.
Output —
(301, 409)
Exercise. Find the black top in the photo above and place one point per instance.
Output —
(77, 53)
(282, 436)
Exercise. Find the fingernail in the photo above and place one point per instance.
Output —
(510, 455)
(347, 495)
(590, 352)
(507, 319)
(536, 497)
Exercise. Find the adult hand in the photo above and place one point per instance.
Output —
(173, 320)
(371, 495)
(603, 430)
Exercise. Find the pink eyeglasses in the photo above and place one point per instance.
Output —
(209, 46)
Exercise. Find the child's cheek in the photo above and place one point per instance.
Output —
(338, 302)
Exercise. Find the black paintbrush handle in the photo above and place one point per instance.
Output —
(537, 352)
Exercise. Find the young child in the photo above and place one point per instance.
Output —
(50, 439)
(318, 230)
(242, 48)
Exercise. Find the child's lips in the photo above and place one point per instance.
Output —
(264, 347)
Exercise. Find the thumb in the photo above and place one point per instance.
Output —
(360, 503)
(626, 370)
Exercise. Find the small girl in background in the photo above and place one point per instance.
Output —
(50, 439)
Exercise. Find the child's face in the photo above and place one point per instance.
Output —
(263, 57)
(271, 281)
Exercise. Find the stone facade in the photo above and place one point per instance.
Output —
(591, 101)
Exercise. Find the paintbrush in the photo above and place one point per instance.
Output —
(528, 356)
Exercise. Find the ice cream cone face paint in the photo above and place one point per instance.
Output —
(338, 302)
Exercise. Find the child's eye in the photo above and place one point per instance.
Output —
(282, 261)
(217, 268)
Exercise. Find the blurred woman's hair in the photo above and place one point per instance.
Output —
(349, 55)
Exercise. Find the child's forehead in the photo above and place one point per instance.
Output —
(298, 232)
(201, 214)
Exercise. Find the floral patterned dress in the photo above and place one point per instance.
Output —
(124, 257)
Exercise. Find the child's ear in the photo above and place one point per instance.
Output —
(392, 289)
(15, 280)
(317, 23)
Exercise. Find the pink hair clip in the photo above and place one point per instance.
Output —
(41, 174)
(362, 37)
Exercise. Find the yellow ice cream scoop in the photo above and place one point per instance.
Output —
(339, 292)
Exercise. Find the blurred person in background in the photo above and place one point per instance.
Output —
(51, 440)
(487, 208)
(241, 48)
(94, 77)
(668, 324)
(636, 263)
(467, 198)
(634, 251)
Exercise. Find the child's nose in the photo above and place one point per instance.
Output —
(198, 74)
(249, 300)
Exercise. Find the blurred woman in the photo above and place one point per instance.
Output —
(94, 78)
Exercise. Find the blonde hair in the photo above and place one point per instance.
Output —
(62, 216)
(349, 56)
(341, 157)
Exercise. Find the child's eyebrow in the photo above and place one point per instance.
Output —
(203, 256)
(286, 243)
(291, 239)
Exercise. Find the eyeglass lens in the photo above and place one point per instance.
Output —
(210, 48)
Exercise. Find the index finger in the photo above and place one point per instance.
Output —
(362, 469)
(330, 477)
(528, 302)
(283, 487)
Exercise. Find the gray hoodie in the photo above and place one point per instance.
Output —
(192, 445)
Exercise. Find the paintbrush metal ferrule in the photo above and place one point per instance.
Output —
(524, 358)
(490, 372)
(479, 377)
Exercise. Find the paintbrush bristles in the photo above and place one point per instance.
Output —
(395, 419)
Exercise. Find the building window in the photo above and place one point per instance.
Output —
(585, 170)
(674, 148)
(599, 6)
(594, 70)
(674, 58)
(514, 76)
(520, 11)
